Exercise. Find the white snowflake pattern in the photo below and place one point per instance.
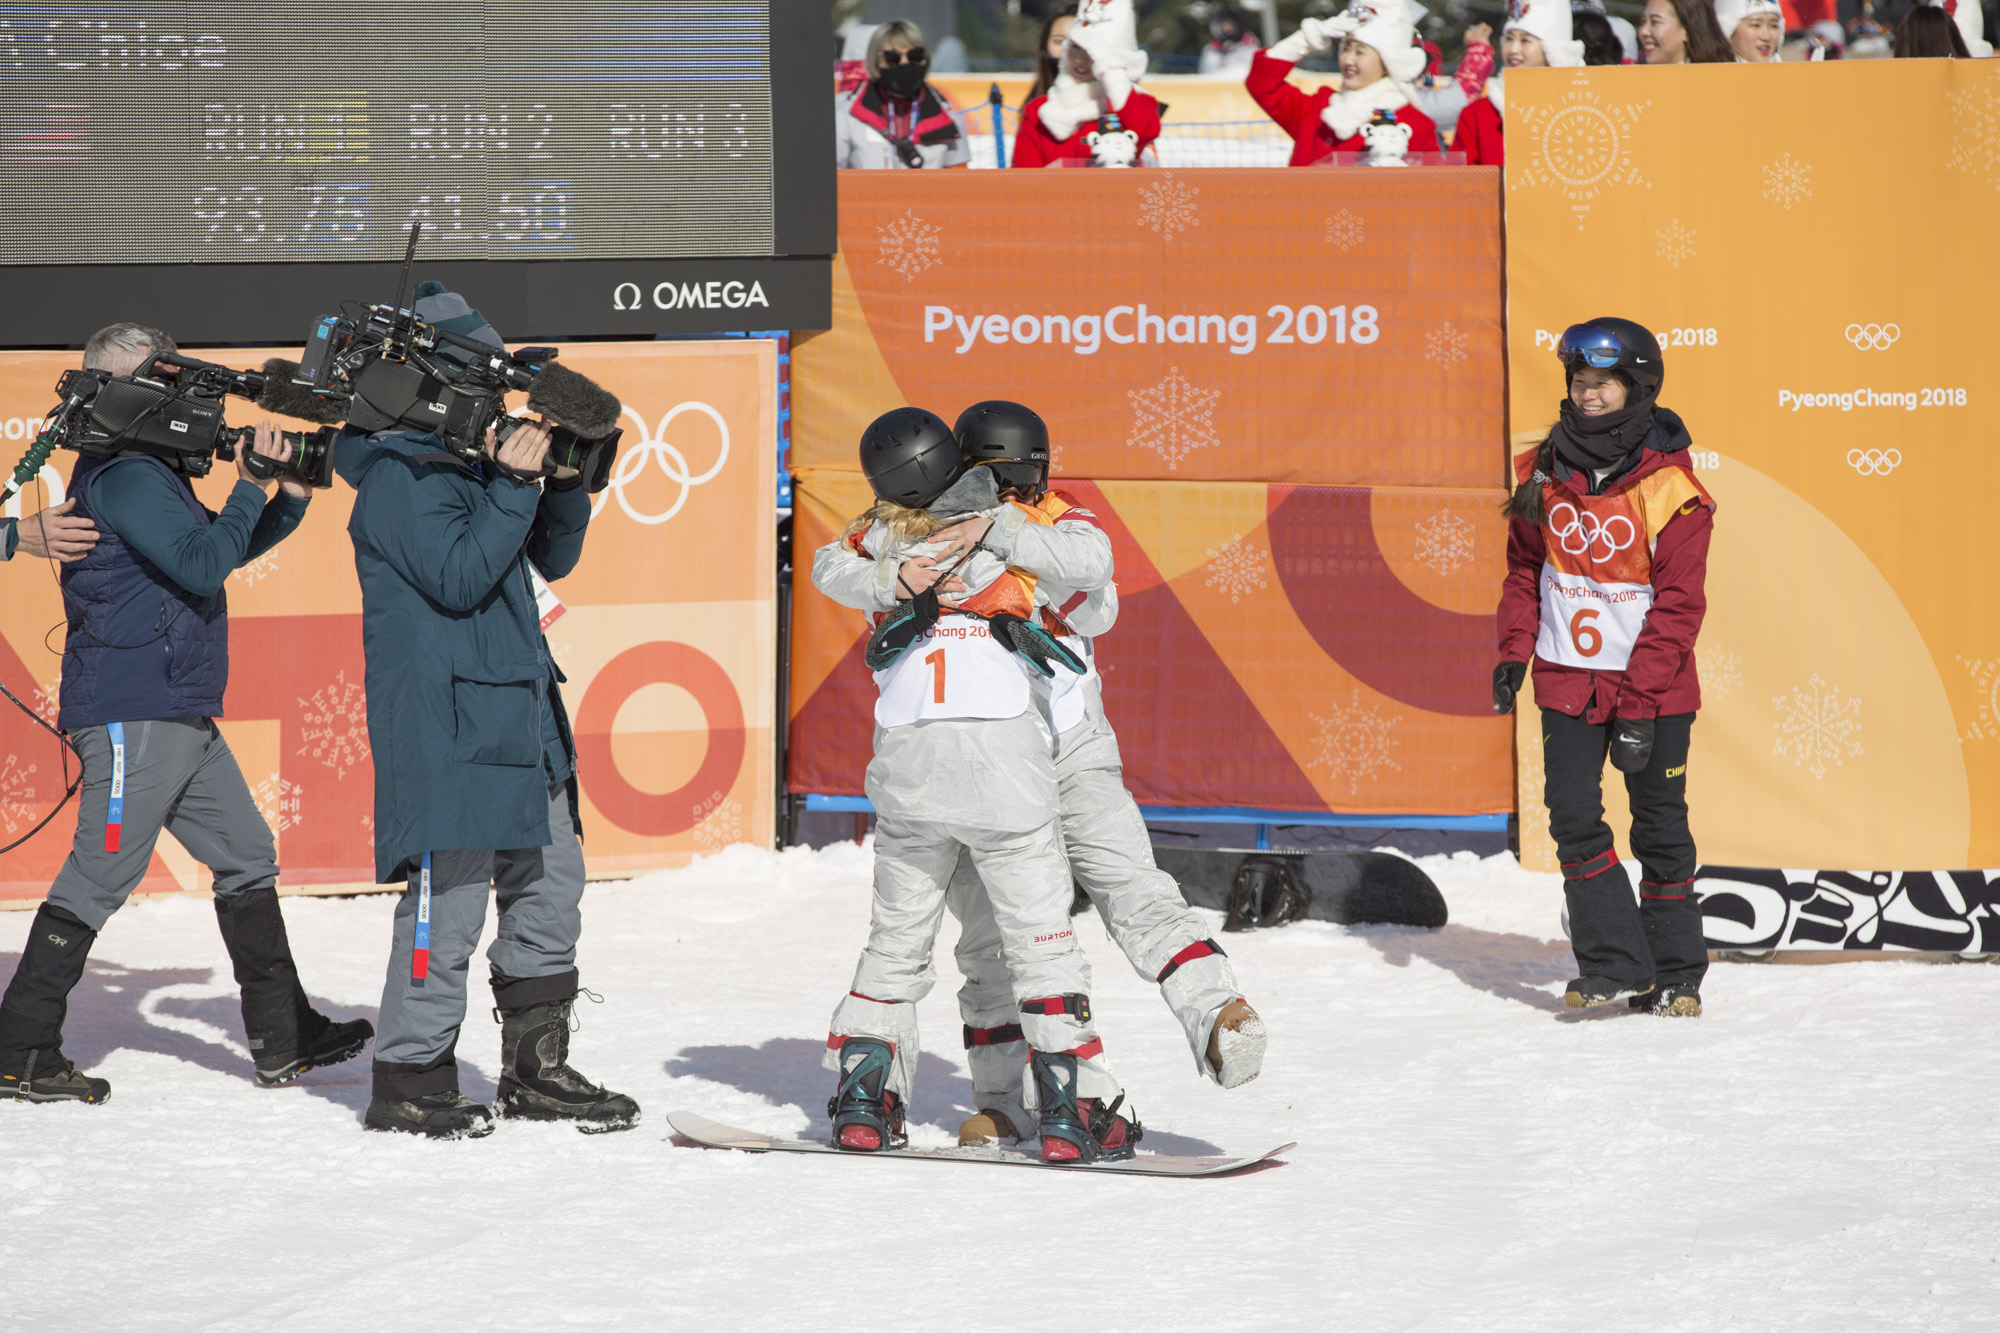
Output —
(278, 800)
(1985, 674)
(718, 822)
(1355, 742)
(909, 245)
(1445, 345)
(336, 725)
(1237, 568)
(1167, 206)
(48, 700)
(1676, 243)
(1173, 418)
(1445, 542)
(1975, 124)
(1345, 230)
(17, 793)
(263, 567)
(1816, 727)
(1787, 181)
(1721, 671)
(1530, 794)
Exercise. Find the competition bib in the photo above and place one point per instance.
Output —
(955, 670)
(1590, 624)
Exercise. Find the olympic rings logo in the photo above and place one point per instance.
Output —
(1873, 337)
(1588, 531)
(653, 444)
(1874, 462)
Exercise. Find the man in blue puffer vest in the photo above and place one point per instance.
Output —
(144, 667)
(475, 767)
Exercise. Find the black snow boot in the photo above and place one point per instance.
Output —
(536, 1082)
(287, 1035)
(866, 1116)
(1677, 1001)
(424, 1099)
(1591, 992)
(32, 1065)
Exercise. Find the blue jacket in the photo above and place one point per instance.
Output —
(459, 678)
(148, 619)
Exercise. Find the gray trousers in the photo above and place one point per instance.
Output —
(540, 891)
(181, 777)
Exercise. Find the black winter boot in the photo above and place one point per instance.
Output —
(287, 1035)
(536, 1082)
(32, 1065)
(424, 1099)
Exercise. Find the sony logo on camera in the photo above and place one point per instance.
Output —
(713, 294)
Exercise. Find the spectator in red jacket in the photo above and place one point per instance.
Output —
(1537, 33)
(1607, 559)
(1380, 63)
(1755, 28)
(1101, 58)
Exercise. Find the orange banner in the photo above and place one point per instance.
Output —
(669, 650)
(1833, 375)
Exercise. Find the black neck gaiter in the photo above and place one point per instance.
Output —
(1591, 444)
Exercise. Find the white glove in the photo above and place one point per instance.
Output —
(1292, 49)
(1321, 34)
(1117, 85)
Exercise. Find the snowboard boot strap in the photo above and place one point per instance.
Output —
(866, 1116)
(1065, 1136)
(1077, 1006)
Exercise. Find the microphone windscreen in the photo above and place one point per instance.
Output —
(577, 401)
(287, 399)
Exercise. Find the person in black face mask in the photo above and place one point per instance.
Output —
(1607, 558)
(896, 119)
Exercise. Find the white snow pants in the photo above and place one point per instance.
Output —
(1111, 856)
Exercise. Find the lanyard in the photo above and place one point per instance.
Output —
(114, 819)
(420, 958)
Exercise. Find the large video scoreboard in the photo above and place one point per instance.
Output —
(561, 155)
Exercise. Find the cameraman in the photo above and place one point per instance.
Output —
(475, 767)
(144, 667)
(55, 532)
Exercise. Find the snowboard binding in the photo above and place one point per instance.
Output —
(1079, 1130)
(866, 1117)
(1267, 893)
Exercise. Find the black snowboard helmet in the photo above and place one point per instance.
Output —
(910, 457)
(1626, 349)
(1008, 438)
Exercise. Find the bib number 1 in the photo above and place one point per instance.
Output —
(935, 661)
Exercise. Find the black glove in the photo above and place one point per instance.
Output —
(1631, 743)
(1033, 643)
(1507, 678)
(909, 622)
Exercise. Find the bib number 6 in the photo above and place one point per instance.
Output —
(1586, 636)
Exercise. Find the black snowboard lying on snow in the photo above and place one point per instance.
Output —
(1269, 888)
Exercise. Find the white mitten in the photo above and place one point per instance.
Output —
(1320, 34)
(1292, 49)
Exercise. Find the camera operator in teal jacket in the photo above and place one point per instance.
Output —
(475, 766)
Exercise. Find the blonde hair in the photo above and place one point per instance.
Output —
(908, 526)
(900, 31)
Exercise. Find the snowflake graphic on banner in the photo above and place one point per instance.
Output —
(1579, 147)
(1721, 671)
(1975, 129)
(1986, 681)
(909, 245)
(1445, 345)
(1444, 542)
(1787, 181)
(1167, 206)
(1676, 243)
(1344, 230)
(718, 822)
(336, 725)
(48, 700)
(1355, 742)
(1530, 791)
(279, 802)
(1237, 568)
(16, 792)
(261, 568)
(1816, 727)
(1173, 418)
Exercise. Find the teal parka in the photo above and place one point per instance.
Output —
(457, 667)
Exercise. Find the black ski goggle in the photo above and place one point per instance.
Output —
(1591, 345)
(1032, 478)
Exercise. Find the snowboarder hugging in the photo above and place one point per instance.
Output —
(1607, 554)
(963, 761)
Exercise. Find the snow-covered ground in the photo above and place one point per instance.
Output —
(1816, 1152)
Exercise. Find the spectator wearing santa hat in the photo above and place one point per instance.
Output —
(1755, 28)
(1101, 58)
(1379, 63)
(1538, 33)
(1683, 32)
